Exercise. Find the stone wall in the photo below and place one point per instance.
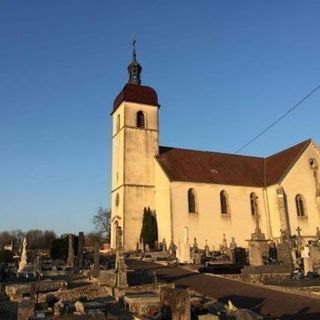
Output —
(152, 287)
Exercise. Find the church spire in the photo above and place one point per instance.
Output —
(134, 68)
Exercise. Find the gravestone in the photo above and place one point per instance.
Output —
(141, 245)
(70, 260)
(300, 241)
(183, 253)
(207, 250)
(96, 259)
(224, 245)
(232, 248)
(317, 234)
(315, 255)
(284, 253)
(164, 245)
(23, 261)
(307, 261)
(175, 304)
(273, 252)
(121, 268)
(195, 245)
(258, 245)
(172, 248)
(233, 243)
(255, 254)
(240, 256)
(196, 257)
(80, 249)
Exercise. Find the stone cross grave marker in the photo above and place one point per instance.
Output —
(80, 253)
(70, 260)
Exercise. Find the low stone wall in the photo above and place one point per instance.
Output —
(16, 291)
(265, 278)
(152, 287)
(267, 269)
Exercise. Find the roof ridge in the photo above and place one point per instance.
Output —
(305, 142)
(215, 152)
(303, 146)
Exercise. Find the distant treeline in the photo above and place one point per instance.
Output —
(36, 239)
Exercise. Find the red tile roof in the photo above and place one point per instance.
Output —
(136, 93)
(229, 169)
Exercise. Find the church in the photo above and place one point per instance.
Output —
(212, 195)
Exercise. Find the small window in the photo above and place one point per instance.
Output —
(313, 163)
(140, 120)
(253, 204)
(191, 201)
(117, 200)
(301, 212)
(224, 202)
(118, 123)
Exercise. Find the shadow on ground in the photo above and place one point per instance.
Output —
(302, 314)
(8, 309)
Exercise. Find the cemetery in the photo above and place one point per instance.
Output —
(105, 286)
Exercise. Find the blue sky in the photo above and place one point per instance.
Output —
(223, 70)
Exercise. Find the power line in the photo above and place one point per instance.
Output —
(308, 95)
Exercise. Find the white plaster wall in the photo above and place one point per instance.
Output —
(273, 210)
(117, 149)
(116, 212)
(162, 204)
(140, 148)
(136, 199)
(300, 180)
(208, 223)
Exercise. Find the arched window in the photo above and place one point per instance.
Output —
(300, 206)
(224, 202)
(191, 201)
(118, 123)
(253, 203)
(140, 120)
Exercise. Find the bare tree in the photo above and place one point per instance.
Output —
(102, 222)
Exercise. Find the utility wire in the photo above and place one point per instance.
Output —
(308, 95)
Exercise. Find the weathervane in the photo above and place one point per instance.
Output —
(134, 68)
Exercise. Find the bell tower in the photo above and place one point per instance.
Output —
(135, 143)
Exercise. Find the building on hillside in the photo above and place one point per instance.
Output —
(210, 193)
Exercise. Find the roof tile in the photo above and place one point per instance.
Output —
(222, 168)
